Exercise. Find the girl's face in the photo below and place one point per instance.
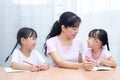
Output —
(71, 32)
(94, 43)
(30, 43)
(91, 42)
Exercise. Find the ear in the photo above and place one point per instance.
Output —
(63, 28)
(22, 40)
(96, 40)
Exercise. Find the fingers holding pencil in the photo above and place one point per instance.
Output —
(33, 67)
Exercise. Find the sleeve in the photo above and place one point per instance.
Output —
(50, 46)
(15, 56)
(81, 49)
(108, 55)
(87, 54)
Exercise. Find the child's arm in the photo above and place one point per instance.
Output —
(15, 65)
(110, 62)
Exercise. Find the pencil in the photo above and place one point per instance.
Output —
(29, 63)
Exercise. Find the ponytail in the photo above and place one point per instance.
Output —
(108, 46)
(11, 52)
(56, 30)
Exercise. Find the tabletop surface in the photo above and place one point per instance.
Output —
(61, 74)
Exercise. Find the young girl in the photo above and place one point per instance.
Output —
(99, 55)
(26, 57)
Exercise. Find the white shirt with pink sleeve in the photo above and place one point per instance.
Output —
(105, 54)
(66, 53)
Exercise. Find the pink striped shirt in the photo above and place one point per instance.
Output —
(105, 54)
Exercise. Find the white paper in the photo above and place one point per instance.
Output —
(102, 68)
(8, 69)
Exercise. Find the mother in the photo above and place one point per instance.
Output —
(62, 44)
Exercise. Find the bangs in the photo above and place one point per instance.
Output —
(93, 33)
(74, 21)
(32, 34)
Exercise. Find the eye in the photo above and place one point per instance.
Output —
(75, 28)
(88, 37)
(33, 38)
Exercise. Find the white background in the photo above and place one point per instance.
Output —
(41, 14)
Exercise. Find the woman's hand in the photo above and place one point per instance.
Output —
(87, 65)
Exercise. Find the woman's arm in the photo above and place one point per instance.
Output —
(80, 58)
(64, 64)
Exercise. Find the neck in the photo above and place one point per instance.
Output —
(97, 50)
(96, 53)
(64, 40)
(25, 52)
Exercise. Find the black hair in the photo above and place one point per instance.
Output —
(24, 32)
(68, 19)
(101, 35)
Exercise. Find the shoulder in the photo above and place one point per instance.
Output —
(16, 51)
(16, 54)
(105, 51)
(106, 54)
(52, 38)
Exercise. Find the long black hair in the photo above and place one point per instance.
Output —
(68, 19)
(24, 32)
(101, 35)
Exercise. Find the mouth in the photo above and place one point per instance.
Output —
(74, 35)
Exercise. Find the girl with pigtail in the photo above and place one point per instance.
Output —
(26, 57)
(97, 53)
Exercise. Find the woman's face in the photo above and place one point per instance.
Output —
(71, 32)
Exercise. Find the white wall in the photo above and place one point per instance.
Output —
(108, 20)
(41, 17)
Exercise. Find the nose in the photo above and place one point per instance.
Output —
(35, 42)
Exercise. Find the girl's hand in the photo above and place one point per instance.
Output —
(88, 59)
(97, 63)
(34, 68)
(44, 66)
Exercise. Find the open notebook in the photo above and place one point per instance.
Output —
(102, 68)
(8, 69)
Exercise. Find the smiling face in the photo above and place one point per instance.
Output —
(94, 43)
(31, 42)
(70, 32)
(28, 43)
(91, 42)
